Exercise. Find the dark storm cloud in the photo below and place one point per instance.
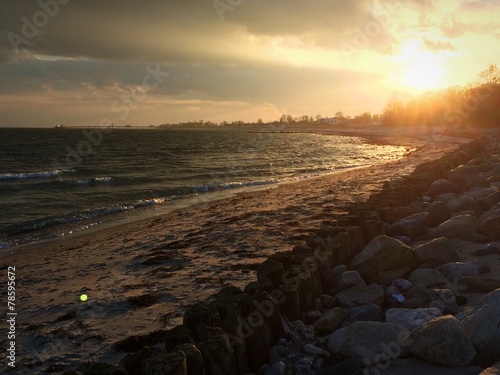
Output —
(173, 30)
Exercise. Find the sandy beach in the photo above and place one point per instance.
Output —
(140, 277)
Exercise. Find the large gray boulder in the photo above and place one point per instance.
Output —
(369, 343)
(493, 370)
(414, 366)
(443, 186)
(456, 270)
(442, 341)
(482, 326)
(464, 203)
(371, 312)
(489, 223)
(411, 318)
(438, 213)
(436, 252)
(330, 321)
(428, 277)
(346, 280)
(361, 295)
(412, 226)
(457, 226)
(383, 260)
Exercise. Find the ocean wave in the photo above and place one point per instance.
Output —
(214, 186)
(43, 223)
(33, 175)
(89, 181)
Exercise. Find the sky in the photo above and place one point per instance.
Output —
(91, 62)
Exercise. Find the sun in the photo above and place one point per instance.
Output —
(423, 74)
(420, 70)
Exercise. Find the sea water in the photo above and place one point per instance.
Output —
(58, 181)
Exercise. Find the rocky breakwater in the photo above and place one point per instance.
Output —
(403, 284)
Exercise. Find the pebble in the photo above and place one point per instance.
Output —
(314, 350)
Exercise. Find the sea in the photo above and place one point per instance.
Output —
(57, 182)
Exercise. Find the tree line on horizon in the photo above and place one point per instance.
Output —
(476, 105)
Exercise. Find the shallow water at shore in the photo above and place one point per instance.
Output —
(75, 180)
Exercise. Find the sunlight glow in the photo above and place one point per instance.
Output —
(422, 70)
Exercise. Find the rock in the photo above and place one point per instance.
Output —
(489, 223)
(345, 367)
(482, 326)
(479, 192)
(489, 201)
(277, 368)
(465, 203)
(442, 341)
(369, 312)
(314, 350)
(263, 369)
(167, 364)
(402, 285)
(107, 369)
(346, 280)
(443, 186)
(457, 226)
(369, 342)
(469, 284)
(327, 301)
(436, 252)
(383, 260)
(493, 370)
(312, 316)
(361, 295)
(278, 353)
(445, 300)
(411, 318)
(428, 277)
(438, 213)
(414, 366)
(399, 213)
(303, 366)
(475, 237)
(457, 270)
(445, 198)
(412, 226)
(337, 270)
(217, 356)
(329, 322)
(489, 249)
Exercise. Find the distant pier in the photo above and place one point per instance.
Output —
(107, 127)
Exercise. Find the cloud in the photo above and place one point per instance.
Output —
(436, 46)
(179, 31)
